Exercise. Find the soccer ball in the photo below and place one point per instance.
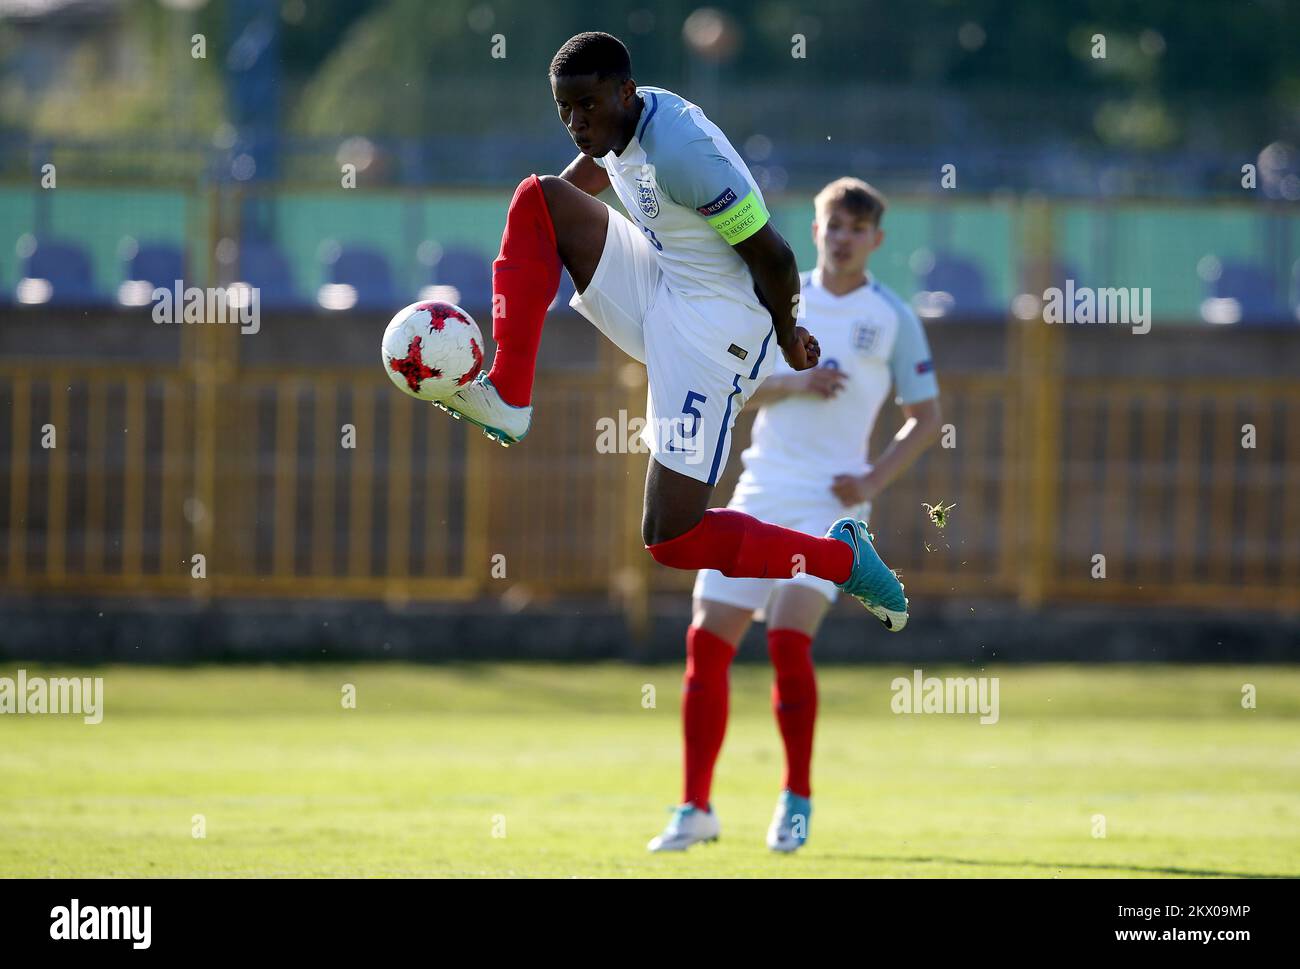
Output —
(432, 349)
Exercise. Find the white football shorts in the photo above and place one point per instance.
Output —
(692, 401)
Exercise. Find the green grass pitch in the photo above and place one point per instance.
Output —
(554, 770)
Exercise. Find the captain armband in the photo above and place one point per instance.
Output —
(735, 220)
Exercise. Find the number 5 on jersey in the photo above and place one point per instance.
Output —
(688, 435)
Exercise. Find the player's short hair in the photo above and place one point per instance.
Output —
(592, 52)
(855, 195)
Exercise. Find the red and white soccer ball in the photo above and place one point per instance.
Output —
(432, 349)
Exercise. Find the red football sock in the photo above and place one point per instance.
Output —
(794, 700)
(525, 279)
(741, 546)
(704, 710)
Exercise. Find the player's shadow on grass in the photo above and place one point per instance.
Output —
(1058, 866)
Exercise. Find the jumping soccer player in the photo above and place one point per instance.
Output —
(695, 291)
(807, 466)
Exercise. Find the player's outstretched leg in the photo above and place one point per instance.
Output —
(525, 279)
(705, 700)
(550, 223)
(680, 533)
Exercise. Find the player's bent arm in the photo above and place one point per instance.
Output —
(917, 394)
(779, 386)
(586, 175)
(819, 382)
(775, 388)
(920, 429)
(776, 278)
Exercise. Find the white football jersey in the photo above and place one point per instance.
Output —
(688, 190)
(804, 441)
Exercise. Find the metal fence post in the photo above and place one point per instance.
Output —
(1038, 371)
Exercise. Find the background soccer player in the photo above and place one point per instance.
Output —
(807, 466)
(696, 290)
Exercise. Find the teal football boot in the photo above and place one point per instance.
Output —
(789, 828)
(871, 582)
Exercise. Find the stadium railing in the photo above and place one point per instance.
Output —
(240, 457)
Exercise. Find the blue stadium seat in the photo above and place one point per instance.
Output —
(158, 263)
(1252, 287)
(962, 280)
(1061, 271)
(471, 273)
(959, 276)
(263, 266)
(366, 270)
(66, 267)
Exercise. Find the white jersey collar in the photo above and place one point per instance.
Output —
(816, 280)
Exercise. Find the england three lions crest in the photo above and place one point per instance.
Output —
(645, 196)
(865, 336)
